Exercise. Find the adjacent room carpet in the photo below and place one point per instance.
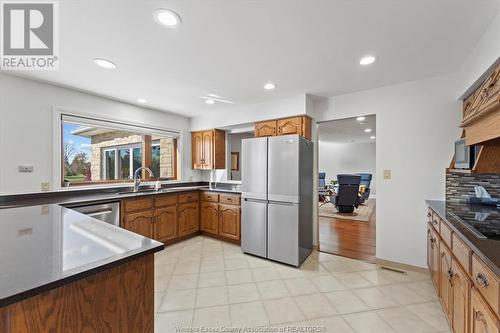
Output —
(362, 213)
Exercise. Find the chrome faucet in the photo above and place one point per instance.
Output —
(137, 179)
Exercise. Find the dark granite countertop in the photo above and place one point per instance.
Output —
(487, 249)
(68, 198)
(44, 247)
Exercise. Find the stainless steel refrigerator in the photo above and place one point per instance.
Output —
(277, 198)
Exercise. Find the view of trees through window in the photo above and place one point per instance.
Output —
(93, 154)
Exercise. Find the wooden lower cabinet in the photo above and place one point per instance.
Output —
(229, 221)
(188, 218)
(460, 299)
(165, 223)
(141, 223)
(483, 320)
(445, 279)
(433, 255)
(209, 214)
(469, 298)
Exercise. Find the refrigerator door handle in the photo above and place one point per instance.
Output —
(283, 203)
(255, 200)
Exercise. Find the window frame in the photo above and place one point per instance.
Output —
(61, 116)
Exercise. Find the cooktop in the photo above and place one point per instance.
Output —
(483, 221)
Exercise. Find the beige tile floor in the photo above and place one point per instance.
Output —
(206, 282)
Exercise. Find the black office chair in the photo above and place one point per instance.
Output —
(322, 189)
(347, 197)
(366, 179)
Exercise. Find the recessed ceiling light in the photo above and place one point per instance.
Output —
(360, 118)
(372, 137)
(210, 101)
(367, 60)
(167, 18)
(269, 86)
(104, 63)
(368, 130)
(142, 100)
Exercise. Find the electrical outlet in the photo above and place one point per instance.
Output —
(387, 174)
(25, 168)
(45, 186)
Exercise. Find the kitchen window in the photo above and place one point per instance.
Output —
(96, 151)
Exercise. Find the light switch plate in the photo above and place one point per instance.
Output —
(45, 186)
(25, 168)
(387, 174)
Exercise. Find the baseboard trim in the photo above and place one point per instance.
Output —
(399, 266)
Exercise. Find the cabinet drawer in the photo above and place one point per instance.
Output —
(429, 215)
(165, 200)
(209, 196)
(462, 252)
(445, 232)
(188, 197)
(230, 199)
(133, 205)
(485, 281)
(435, 220)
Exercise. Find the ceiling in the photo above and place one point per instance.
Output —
(231, 48)
(347, 130)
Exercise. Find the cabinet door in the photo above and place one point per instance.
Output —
(265, 128)
(210, 217)
(187, 219)
(445, 277)
(229, 221)
(433, 256)
(290, 126)
(140, 223)
(165, 223)
(482, 319)
(208, 158)
(197, 150)
(461, 289)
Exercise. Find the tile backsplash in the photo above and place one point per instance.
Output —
(460, 186)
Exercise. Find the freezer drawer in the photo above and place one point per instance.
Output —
(254, 227)
(254, 168)
(283, 232)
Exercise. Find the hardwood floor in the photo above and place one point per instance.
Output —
(349, 238)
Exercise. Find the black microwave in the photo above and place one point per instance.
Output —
(465, 156)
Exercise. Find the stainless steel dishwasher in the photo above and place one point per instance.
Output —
(108, 212)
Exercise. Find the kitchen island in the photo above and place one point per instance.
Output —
(62, 271)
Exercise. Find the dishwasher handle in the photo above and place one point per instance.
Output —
(99, 212)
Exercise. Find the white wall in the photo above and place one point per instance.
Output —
(336, 158)
(26, 128)
(417, 123)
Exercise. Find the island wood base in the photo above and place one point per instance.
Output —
(120, 299)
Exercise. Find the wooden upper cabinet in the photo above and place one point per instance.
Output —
(165, 223)
(208, 150)
(265, 128)
(483, 320)
(197, 149)
(210, 217)
(481, 111)
(290, 126)
(141, 223)
(229, 221)
(300, 125)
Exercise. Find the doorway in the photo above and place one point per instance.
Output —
(347, 187)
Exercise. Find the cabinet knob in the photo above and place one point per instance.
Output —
(429, 214)
(482, 280)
